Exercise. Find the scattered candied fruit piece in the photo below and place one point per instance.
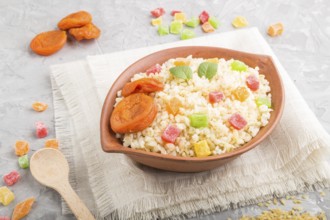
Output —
(144, 85)
(187, 34)
(213, 60)
(275, 29)
(22, 209)
(202, 149)
(154, 69)
(163, 30)
(6, 196)
(241, 93)
(47, 43)
(239, 22)
(173, 12)
(263, 101)
(11, 178)
(176, 27)
(252, 82)
(237, 121)
(21, 148)
(204, 17)
(39, 106)
(214, 22)
(41, 129)
(23, 161)
(173, 106)
(198, 120)
(77, 19)
(180, 16)
(181, 62)
(4, 218)
(157, 21)
(215, 97)
(170, 133)
(207, 27)
(51, 143)
(192, 22)
(86, 32)
(157, 12)
(238, 66)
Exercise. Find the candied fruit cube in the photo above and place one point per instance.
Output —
(215, 97)
(207, 27)
(239, 22)
(22, 209)
(214, 22)
(6, 196)
(237, 121)
(176, 27)
(157, 12)
(202, 149)
(204, 17)
(181, 62)
(23, 161)
(187, 34)
(154, 69)
(157, 21)
(21, 148)
(192, 22)
(39, 106)
(275, 29)
(11, 178)
(252, 82)
(173, 12)
(198, 120)
(51, 143)
(4, 218)
(173, 106)
(238, 66)
(163, 30)
(41, 130)
(170, 133)
(241, 93)
(213, 60)
(180, 16)
(263, 101)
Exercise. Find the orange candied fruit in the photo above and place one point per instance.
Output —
(241, 93)
(21, 148)
(275, 29)
(173, 106)
(22, 209)
(207, 27)
(52, 143)
(181, 62)
(39, 106)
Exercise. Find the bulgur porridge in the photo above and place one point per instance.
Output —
(201, 107)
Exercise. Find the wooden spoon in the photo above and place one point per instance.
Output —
(50, 168)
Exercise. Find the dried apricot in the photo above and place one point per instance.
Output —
(89, 31)
(144, 85)
(49, 42)
(77, 19)
(134, 113)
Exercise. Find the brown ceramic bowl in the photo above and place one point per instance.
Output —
(112, 144)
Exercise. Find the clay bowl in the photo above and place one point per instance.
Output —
(181, 164)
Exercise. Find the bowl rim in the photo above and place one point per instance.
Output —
(119, 148)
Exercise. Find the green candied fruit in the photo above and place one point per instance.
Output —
(238, 66)
(193, 22)
(214, 22)
(176, 27)
(23, 161)
(187, 34)
(263, 101)
(198, 120)
(163, 30)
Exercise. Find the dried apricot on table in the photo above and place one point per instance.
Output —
(22, 209)
(89, 31)
(39, 106)
(144, 85)
(49, 42)
(275, 29)
(77, 19)
(134, 113)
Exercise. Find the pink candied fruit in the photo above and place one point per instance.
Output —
(11, 178)
(154, 69)
(204, 17)
(41, 130)
(4, 218)
(173, 12)
(252, 82)
(237, 121)
(157, 12)
(170, 133)
(215, 97)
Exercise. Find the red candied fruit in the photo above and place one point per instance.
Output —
(157, 12)
(173, 12)
(11, 178)
(237, 121)
(4, 218)
(204, 17)
(252, 82)
(41, 130)
(216, 97)
(154, 69)
(170, 133)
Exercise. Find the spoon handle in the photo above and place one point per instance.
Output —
(78, 208)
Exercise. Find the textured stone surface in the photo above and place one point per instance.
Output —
(24, 76)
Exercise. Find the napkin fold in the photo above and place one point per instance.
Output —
(292, 159)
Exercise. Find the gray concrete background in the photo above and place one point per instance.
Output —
(24, 76)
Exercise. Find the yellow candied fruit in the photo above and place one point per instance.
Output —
(275, 29)
(181, 62)
(207, 27)
(180, 17)
(39, 106)
(21, 148)
(6, 196)
(202, 149)
(157, 21)
(239, 22)
(241, 93)
(51, 143)
(173, 106)
(213, 60)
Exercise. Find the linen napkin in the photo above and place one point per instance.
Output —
(292, 159)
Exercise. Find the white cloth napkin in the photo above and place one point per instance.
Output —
(291, 159)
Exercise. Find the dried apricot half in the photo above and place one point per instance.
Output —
(144, 85)
(88, 31)
(134, 113)
(77, 19)
(49, 42)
